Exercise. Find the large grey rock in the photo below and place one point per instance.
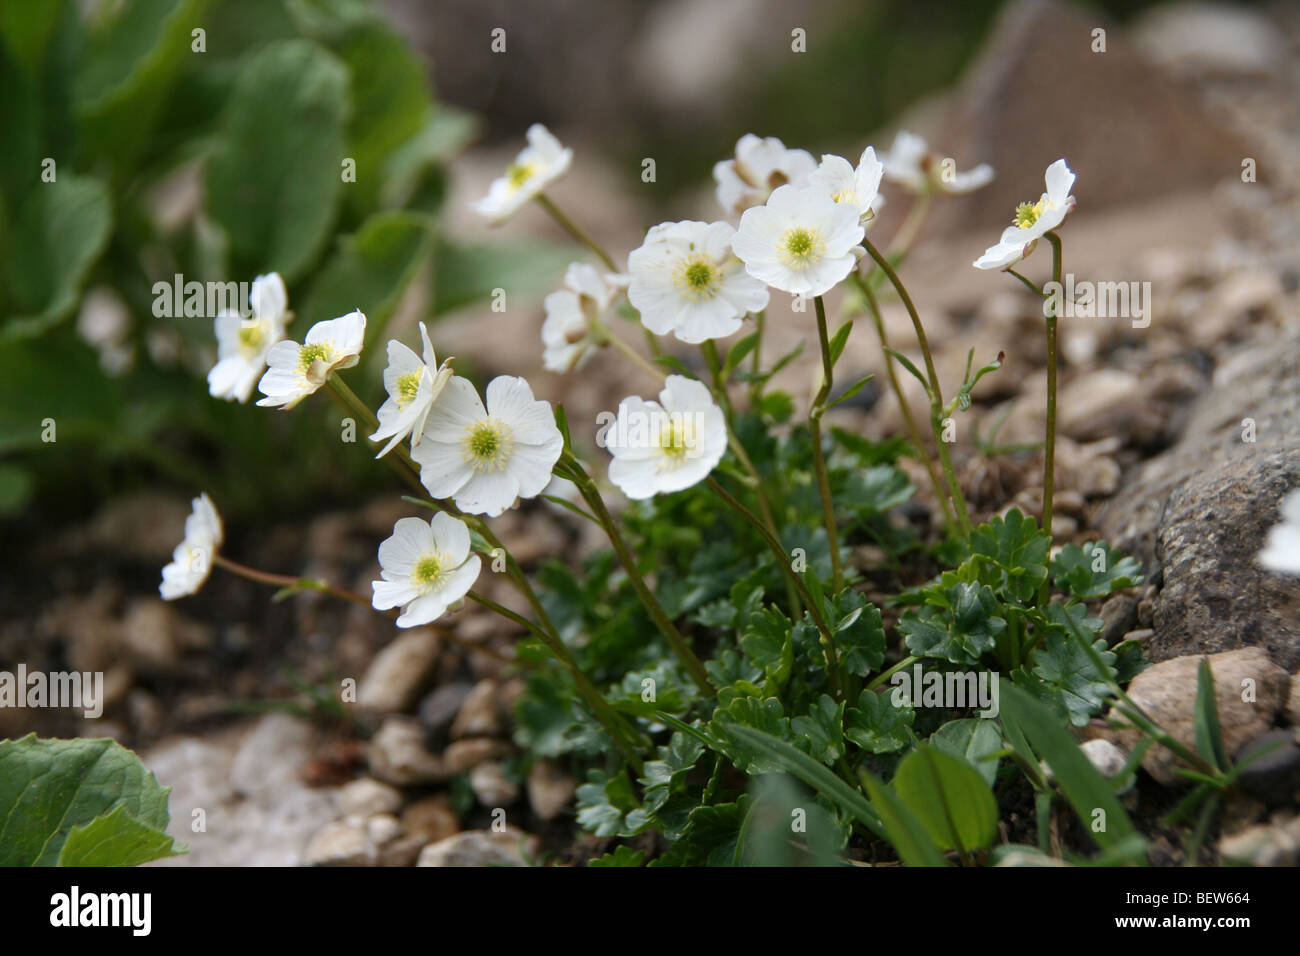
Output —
(507, 847)
(1201, 510)
(394, 678)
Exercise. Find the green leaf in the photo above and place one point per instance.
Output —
(858, 632)
(736, 354)
(1064, 674)
(56, 377)
(974, 740)
(64, 227)
(852, 390)
(621, 856)
(1017, 549)
(468, 274)
(768, 642)
(274, 178)
(820, 733)
(371, 270)
(873, 491)
(839, 341)
(951, 799)
(604, 803)
(1094, 570)
(115, 839)
(959, 625)
(795, 761)
(1209, 734)
(877, 725)
(906, 362)
(907, 835)
(48, 788)
(766, 715)
(1084, 788)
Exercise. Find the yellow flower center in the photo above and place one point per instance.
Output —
(252, 335)
(698, 278)
(314, 352)
(801, 247)
(847, 194)
(430, 570)
(487, 445)
(1029, 213)
(676, 438)
(519, 173)
(408, 386)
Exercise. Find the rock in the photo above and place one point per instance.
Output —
(466, 754)
(398, 754)
(270, 826)
(403, 851)
(272, 755)
(1209, 37)
(1108, 759)
(480, 848)
(1120, 614)
(478, 714)
(440, 706)
(1265, 845)
(1201, 511)
(1272, 768)
(394, 678)
(1293, 702)
(147, 634)
(1166, 692)
(341, 843)
(491, 785)
(382, 829)
(367, 796)
(550, 789)
(430, 818)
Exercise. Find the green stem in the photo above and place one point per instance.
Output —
(1049, 466)
(347, 399)
(913, 431)
(591, 494)
(936, 392)
(902, 665)
(819, 460)
(783, 562)
(576, 231)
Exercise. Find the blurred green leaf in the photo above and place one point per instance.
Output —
(274, 178)
(951, 799)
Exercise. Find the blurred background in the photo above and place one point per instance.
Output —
(150, 138)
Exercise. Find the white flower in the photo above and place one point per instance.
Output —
(1282, 550)
(412, 386)
(667, 445)
(911, 164)
(1033, 221)
(571, 314)
(486, 458)
(539, 164)
(685, 279)
(802, 242)
(759, 166)
(859, 187)
(426, 567)
(298, 370)
(192, 560)
(242, 344)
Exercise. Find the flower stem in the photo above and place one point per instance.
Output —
(819, 461)
(913, 432)
(322, 587)
(764, 505)
(1049, 464)
(347, 399)
(783, 562)
(936, 392)
(656, 373)
(576, 231)
(578, 475)
(907, 232)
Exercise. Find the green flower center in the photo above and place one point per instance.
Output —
(699, 278)
(251, 337)
(312, 353)
(519, 173)
(801, 247)
(408, 386)
(430, 570)
(487, 444)
(676, 438)
(1028, 213)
